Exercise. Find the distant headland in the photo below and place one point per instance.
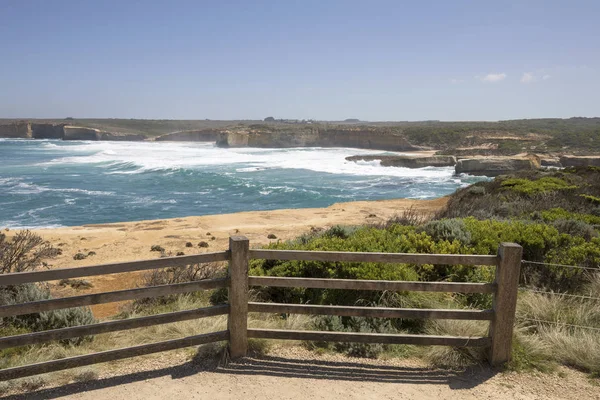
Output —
(541, 141)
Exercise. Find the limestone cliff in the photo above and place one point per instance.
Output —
(266, 137)
(407, 161)
(493, 166)
(234, 139)
(21, 129)
(47, 131)
(204, 135)
(574, 161)
(83, 133)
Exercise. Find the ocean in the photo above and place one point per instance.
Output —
(54, 183)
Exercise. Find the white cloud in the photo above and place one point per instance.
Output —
(530, 77)
(492, 78)
(527, 78)
(456, 81)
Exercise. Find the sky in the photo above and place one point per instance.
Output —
(325, 60)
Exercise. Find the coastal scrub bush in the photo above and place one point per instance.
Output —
(530, 187)
(591, 199)
(353, 324)
(46, 320)
(26, 252)
(157, 247)
(203, 244)
(554, 214)
(448, 229)
(575, 228)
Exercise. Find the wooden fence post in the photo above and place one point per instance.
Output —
(238, 296)
(505, 302)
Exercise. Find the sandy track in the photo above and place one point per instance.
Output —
(294, 373)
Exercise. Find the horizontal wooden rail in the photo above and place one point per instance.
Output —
(457, 341)
(111, 355)
(396, 258)
(110, 326)
(110, 297)
(395, 286)
(18, 278)
(374, 312)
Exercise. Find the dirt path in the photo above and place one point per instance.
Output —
(295, 373)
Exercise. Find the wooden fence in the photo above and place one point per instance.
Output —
(501, 316)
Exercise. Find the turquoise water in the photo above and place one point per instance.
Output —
(51, 183)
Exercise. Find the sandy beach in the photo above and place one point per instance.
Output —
(130, 241)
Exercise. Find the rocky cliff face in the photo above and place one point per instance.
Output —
(314, 137)
(21, 129)
(574, 161)
(493, 166)
(205, 135)
(234, 139)
(47, 131)
(81, 133)
(408, 162)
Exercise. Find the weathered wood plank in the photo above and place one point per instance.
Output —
(504, 302)
(110, 297)
(396, 258)
(111, 355)
(110, 326)
(104, 269)
(430, 340)
(353, 284)
(374, 312)
(238, 296)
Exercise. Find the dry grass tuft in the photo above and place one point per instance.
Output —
(455, 357)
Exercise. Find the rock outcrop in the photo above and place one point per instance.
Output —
(550, 162)
(121, 137)
(363, 138)
(205, 135)
(83, 133)
(576, 161)
(47, 131)
(234, 139)
(21, 129)
(407, 161)
(494, 166)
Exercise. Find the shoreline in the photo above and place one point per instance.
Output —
(129, 241)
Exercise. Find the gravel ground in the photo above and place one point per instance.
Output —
(295, 373)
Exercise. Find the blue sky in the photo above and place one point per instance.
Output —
(373, 60)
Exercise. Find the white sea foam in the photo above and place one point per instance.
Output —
(133, 158)
(30, 188)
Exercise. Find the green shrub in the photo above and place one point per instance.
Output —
(46, 320)
(448, 229)
(575, 228)
(554, 214)
(591, 199)
(542, 185)
(353, 324)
